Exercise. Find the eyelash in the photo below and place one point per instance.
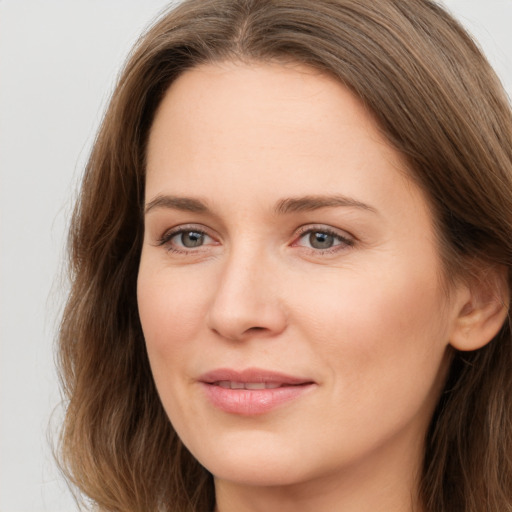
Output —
(165, 239)
(345, 242)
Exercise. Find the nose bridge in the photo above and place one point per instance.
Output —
(246, 297)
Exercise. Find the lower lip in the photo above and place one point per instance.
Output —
(251, 402)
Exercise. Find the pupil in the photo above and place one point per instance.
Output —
(321, 240)
(192, 239)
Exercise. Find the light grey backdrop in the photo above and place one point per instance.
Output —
(58, 61)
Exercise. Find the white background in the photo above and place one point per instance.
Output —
(58, 62)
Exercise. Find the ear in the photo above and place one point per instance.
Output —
(483, 308)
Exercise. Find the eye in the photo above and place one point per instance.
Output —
(183, 239)
(323, 239)
(319, 240)
(189, 239)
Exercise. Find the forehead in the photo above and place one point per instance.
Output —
(245, 101)
(268, 130)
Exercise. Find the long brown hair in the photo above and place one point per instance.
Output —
(437, 101)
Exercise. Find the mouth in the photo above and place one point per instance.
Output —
(252, 391)
(227, 384)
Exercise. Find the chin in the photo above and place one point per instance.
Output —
(258, 460)
(250, 473)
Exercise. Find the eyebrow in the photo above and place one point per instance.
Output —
(186, 204)
(311, 203)
(283, 207)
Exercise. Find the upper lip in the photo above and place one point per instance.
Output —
(252, 375)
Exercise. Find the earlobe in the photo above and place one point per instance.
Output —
(483, 310)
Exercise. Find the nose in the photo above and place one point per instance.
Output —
(246, 301)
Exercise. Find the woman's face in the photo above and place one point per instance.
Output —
(290, 286)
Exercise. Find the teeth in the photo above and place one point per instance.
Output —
(227, 384)
(255, 385)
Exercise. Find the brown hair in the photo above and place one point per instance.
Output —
(438, 102)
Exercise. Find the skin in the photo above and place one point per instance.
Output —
(367, 320)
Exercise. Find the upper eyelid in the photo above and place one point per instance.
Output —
(200, 228)
(168, 233)
(307, 228)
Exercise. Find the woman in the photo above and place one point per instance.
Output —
(291, 267)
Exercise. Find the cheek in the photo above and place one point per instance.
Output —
(384, 353)
(374, 330)
(170, 309)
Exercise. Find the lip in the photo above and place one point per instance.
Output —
(282, 389)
